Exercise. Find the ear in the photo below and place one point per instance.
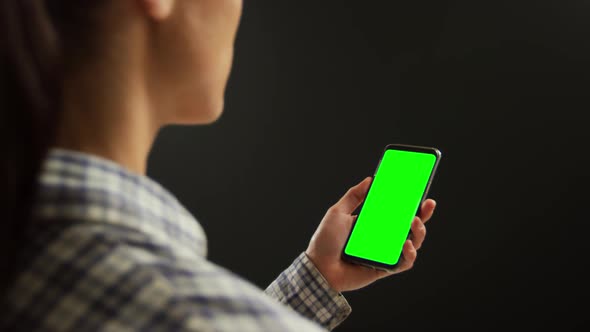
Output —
(157, 9)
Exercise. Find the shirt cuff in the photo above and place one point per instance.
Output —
(302, 287)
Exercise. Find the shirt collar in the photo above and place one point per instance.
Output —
(79, 187)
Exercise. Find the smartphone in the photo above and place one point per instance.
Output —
(400, 184)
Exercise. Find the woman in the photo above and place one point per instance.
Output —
(91, 243)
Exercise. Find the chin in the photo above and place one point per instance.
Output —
(213, 112)
(203, 115)
(213, 117)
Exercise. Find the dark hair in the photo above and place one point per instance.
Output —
(34, 39)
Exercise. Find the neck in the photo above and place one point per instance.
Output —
(107, 114)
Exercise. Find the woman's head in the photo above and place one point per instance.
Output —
(167, 59)
(190, 51)
(179, 52)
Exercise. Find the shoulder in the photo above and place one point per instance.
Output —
(90, 279)
(82, 276)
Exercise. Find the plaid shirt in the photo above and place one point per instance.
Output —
(113, 251)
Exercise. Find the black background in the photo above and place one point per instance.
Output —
(318, 88)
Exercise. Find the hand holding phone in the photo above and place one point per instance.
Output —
(326, 246)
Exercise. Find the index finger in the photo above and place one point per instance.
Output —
(427, 210)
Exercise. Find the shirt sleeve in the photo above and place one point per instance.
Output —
(302, 287)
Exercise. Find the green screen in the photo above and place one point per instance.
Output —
(390, 206)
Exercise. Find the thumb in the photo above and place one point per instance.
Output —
(353, 197)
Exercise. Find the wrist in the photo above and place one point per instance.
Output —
(324, 270)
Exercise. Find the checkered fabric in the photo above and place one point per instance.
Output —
(111, 250)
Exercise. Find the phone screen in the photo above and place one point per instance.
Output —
(384, 221)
